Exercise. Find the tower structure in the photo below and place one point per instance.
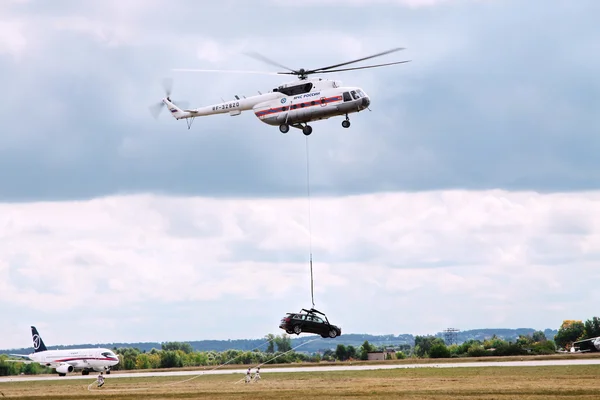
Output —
(451, 336)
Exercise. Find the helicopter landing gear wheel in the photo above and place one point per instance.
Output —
(346, 123)
(307, 130)
(284, 128)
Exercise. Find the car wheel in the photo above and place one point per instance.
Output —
(332, 333)
(289, 332)
(297, 329)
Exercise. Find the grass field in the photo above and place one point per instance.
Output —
(555, 382)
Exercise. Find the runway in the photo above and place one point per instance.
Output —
(265, 370)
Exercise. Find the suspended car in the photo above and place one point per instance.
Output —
(309, 322)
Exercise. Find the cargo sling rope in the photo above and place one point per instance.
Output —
(309, 224)
(177, 382)
(277, 356)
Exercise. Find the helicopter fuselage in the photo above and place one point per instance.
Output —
(313, 106)
(291, 104)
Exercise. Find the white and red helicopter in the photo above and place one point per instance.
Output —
(292, 104)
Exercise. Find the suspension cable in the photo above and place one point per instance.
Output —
(309, 224)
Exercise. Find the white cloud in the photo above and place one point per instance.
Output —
(431, 259)
(12, 38)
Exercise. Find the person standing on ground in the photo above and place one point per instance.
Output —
(257, 374)
(100, 380)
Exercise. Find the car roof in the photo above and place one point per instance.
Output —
(322, 317)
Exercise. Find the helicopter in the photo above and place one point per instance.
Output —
(292, 104)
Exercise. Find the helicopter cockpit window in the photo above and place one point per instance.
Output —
(356, 96)
(361, 93)
(347, 96)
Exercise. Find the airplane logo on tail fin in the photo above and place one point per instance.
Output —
(36, 341)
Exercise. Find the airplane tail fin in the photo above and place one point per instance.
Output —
(38, 343)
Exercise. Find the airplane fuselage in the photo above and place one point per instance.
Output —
(64, 361)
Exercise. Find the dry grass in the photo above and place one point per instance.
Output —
(501, 383)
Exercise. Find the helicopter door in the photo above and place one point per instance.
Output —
(347, 97)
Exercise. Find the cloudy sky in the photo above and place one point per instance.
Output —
(467, 198)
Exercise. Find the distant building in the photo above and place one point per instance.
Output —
(379, 355)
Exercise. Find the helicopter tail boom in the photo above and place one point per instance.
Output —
(232, 107)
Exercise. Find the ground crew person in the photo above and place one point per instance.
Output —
(100, 380)
(257, 374)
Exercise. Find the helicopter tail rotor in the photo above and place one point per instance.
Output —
(156, 108)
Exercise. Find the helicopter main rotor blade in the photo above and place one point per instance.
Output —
(354, 61)
(227, 70)
(268, 61)
(365, 67)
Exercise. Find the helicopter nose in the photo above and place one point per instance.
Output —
(366, 102)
